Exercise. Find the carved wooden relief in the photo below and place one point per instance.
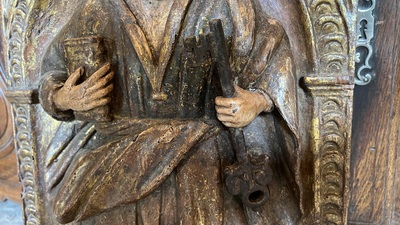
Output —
(331, 148)
(194, 114)
(332, 89)
(27, 155)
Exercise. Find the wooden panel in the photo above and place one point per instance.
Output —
(375, 129)
(9, 184)
(395, 212)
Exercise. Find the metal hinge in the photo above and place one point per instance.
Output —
(365, 35)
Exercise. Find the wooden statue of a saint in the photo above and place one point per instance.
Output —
(146, 137)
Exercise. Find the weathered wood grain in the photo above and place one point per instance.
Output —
(375, 183)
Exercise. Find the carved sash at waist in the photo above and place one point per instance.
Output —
(134, 126)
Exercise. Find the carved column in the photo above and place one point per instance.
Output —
(22, 100)
(331, 88)
(25, 140)
(330, 137)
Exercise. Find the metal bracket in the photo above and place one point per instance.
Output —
(365, 34)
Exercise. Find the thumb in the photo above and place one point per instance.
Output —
(74, 77)
(239, 91)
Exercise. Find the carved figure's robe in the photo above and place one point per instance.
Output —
(161, 159)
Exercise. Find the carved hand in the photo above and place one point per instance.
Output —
(240, 110)
(91, 93)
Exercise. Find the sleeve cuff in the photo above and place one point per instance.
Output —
(268, 99)
(49, 86)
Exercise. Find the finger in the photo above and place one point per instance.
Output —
(101, 93)
(74, 77)
(227, 111)
(97, 103)
(226, 118)
(225, 102)
(99, 73)
(102, 82)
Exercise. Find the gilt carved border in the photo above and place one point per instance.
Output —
(16, 31)
(331, 86)
(331, 142)
(22, 104)
(24, 121)
(330, 24)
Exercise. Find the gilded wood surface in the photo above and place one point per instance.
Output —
(25, 143)
(331, 89)
(17, 13)
(332, 43)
